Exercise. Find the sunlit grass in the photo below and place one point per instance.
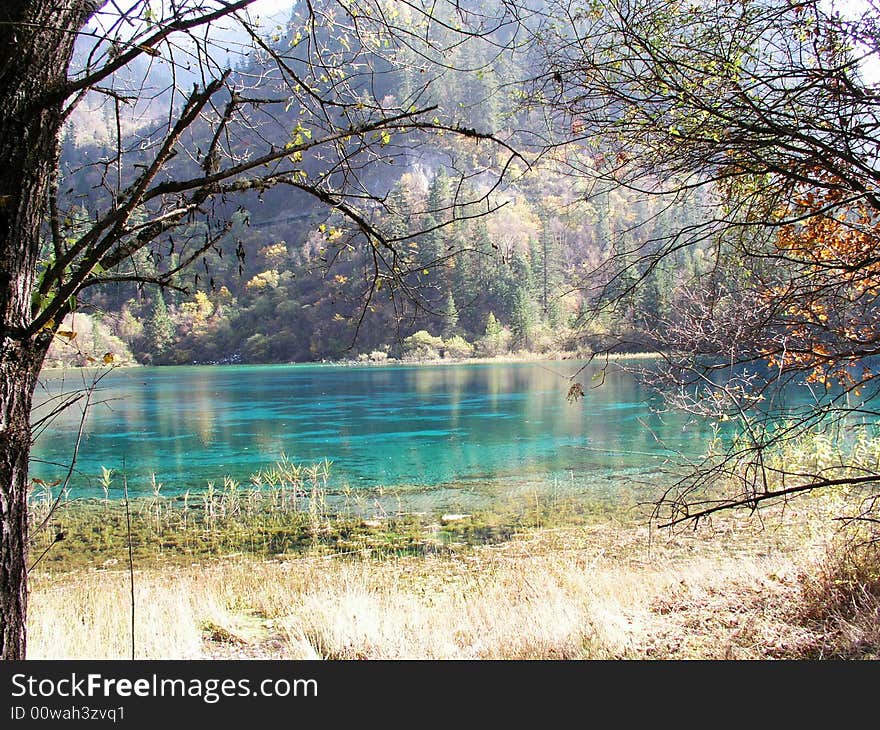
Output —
(597, 590)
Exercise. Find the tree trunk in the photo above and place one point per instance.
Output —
(19, 367)
(36, 45)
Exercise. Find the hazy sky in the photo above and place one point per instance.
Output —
(269, 7)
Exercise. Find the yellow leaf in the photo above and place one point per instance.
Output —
(67, 334)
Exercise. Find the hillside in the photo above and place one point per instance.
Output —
(289, 281)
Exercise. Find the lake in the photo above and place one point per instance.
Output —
(443, 437)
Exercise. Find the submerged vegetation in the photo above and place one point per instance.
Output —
(285, 510)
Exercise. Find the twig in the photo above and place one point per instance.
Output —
(58, 538)
(130, 556)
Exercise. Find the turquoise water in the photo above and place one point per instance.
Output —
(439, 435)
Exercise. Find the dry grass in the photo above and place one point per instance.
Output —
(603, 590)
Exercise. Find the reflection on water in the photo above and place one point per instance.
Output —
(435, 430)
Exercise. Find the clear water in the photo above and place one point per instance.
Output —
(441, 436)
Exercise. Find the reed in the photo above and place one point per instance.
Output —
(283, 510)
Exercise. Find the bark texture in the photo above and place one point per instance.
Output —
(36, 45)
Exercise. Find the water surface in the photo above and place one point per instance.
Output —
(443, 433)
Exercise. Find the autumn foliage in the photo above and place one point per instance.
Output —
(827, 303)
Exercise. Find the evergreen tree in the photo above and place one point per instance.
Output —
(655, 298)
(159, 330)
(450, 320)
(522, 319)
(493, 341)
(521, 302)
(439, 194)
(433, 244)
(547, 269)
(493, 326)
(399, 212)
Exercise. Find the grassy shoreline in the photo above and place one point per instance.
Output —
(520, 585)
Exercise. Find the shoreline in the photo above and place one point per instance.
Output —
(512, 359)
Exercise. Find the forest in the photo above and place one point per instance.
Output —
(296, 287)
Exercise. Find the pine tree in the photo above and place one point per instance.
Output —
(493, 327)
(522, 319)
(493, 340)
(399, 211)
(450, 321)
(522, 307)
(433, 244)
(159, 329)
(547, 269)
(439, 194)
